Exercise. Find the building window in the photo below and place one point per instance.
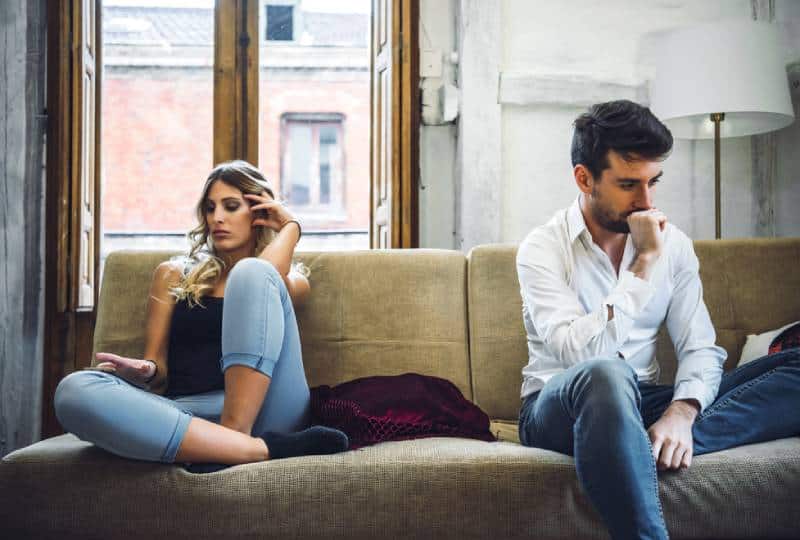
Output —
(312, 162)
(280, 23)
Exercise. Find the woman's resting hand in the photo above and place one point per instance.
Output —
(133, 370)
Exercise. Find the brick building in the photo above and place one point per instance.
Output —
(157, 118)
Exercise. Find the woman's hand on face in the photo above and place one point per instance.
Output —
(277, 215)
(132, 370)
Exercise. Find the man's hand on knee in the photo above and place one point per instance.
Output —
(671, 435)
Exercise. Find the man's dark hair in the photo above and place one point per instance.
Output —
(623, 126)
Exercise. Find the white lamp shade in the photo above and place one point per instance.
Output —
(732, 67)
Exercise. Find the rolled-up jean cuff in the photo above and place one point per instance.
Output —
(254, 361)
(177, 436)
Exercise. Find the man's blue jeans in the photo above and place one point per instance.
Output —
(598, 412)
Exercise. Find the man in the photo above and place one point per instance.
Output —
(597, 281)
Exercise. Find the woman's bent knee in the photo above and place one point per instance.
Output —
(254, 267)
(75, 394)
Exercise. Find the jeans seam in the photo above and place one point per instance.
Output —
(720, 405)
(535, 424)
(527, 421)
(270, 324)
(262, 331)
(654, 472)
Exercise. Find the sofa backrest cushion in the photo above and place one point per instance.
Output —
(749, 286)
(369, 313)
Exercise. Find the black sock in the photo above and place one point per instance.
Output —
(202, 468)
(315, 440)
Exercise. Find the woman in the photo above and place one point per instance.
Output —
(221, 344)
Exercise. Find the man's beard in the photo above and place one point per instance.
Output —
(604, 218)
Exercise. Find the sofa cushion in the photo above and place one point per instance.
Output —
(369, 313)
(745, 285)
(428, 488)
(498, 346)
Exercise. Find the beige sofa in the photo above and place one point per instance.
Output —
(432, 312)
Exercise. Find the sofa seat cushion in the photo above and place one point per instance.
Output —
(427, 488)
(439, 487)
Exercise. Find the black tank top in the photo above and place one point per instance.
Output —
(195, 348)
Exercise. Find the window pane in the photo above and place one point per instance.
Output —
(327, 153)
(157, 120)
(315, 120)
(299, 157)
(279, 23)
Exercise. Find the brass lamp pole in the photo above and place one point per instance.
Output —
(717, 118)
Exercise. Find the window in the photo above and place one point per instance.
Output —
(280, 23)
(307, 88)
(312, 163)
(157, 101)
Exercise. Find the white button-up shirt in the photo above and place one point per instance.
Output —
(567, 282)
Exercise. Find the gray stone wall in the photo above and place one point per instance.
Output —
(22, 216)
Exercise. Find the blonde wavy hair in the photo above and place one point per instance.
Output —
(201, 267)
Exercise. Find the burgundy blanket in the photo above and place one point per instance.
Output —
(392, 408)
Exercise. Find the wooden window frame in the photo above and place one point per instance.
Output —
(236, 49)
(69, 315)
(395, 115)
(263, 28)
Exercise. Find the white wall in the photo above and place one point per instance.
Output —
(603, 43)
(553, 59)
(786, 195)
(437, 143)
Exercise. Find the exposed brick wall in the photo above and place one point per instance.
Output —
(350, 98)
(157, 145)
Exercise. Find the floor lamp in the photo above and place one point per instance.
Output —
(723, 79)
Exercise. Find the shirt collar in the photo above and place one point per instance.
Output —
(575, 222)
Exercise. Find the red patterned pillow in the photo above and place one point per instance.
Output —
(788, 339)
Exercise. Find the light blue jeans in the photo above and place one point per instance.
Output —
(598, 412)
(259, 330)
